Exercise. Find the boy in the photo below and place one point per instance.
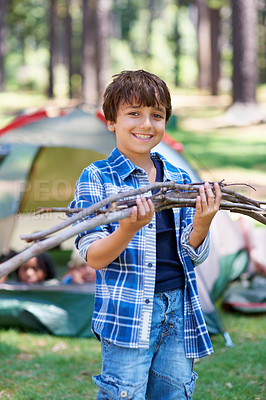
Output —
(147, 312)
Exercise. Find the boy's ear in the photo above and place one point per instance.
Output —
(111, 126)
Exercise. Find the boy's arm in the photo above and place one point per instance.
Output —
(103, 251)
(207, 206)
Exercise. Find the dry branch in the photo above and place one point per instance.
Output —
(117, 207)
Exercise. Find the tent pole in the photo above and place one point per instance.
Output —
(228, 340)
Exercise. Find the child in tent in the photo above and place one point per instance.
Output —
(147, 312)
(38, 269)
(79, 270)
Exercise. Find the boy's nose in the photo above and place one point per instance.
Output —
(145, 123)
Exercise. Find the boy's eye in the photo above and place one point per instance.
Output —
(159, 116)
(133, 113)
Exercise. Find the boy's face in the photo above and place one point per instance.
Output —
(138, 128)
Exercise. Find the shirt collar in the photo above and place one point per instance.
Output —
(167, 176)
(121, 164)
(125, 167)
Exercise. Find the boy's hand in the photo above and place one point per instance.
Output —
(103, 251)
(141, 215)
(207, 206)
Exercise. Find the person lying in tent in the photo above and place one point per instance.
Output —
(79, 271)
(39, 269)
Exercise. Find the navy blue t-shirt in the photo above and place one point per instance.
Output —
(169, 270)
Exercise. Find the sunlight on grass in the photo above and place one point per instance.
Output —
(216, 151)
(13, 104)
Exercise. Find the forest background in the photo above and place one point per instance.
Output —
(71, 48)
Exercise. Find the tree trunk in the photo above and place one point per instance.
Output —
(244, 111)
(103, 52)
(215, 49)
(89, 60)
(262, 43)
(204, 45)
(3, 35)
(52, 21)
(69, 46)
(176, 48)
(244, 21)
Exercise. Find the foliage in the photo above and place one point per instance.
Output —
(135, 50)
(216, 3)
(126, 12)
(28, 19)
(27, 58)
(152, 34)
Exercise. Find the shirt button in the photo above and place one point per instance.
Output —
(150, 265)
(123, 394)
(147, 301)
(150, 225)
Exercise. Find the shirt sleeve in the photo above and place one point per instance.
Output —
(200, 254)
(88, 191)
(86, 240)
(196, 255)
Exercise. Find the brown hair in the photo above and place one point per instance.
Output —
(142, 86)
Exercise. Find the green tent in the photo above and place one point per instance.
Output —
(62, 310)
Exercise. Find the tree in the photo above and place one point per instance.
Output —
(3, 36)
(89, 59)
(204, 45)
(95, 53)
(262, 41)
(52, 22)
(215, 49)
(151, 8)
(244, 22)
(245, 109)
(103, 54)
(69, 45)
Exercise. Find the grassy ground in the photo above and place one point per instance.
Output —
(42, 367)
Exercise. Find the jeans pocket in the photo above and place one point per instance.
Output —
(190, 386)
(112, 389)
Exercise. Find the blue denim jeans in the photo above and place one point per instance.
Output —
(161, 372)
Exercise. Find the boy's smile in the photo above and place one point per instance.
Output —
(138, 129)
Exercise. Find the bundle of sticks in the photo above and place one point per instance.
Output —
(117, 207)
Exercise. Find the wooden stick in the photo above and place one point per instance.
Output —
(170, 195)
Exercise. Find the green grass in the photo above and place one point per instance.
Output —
(235, 373)
(216, 149)
(15, 103)
(42, 367)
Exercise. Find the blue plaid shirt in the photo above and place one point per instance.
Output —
(125, 289)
